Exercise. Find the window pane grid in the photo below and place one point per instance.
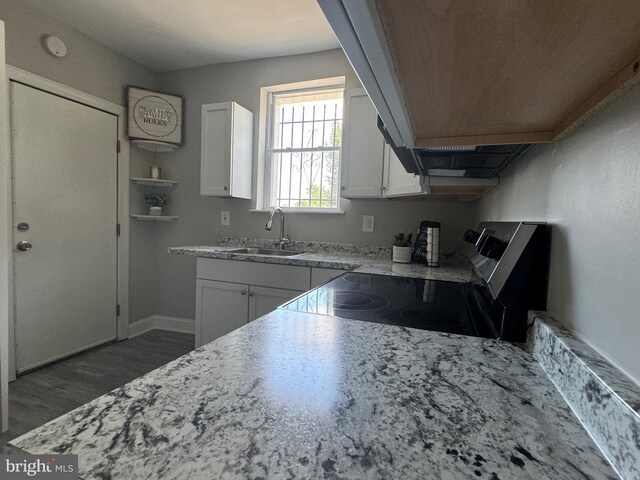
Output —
(308, 179)
(305, 151)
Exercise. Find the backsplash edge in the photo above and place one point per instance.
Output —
(603, 398)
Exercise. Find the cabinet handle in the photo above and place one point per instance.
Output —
(251, 294)
(243, 292)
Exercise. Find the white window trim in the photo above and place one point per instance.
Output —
(263, 133)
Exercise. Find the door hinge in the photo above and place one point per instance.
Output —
(118, 146)
(117, 229)
(117, 310)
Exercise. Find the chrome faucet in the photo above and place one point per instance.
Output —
(284, 239)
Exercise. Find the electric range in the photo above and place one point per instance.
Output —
(510, 265)
(408, 302)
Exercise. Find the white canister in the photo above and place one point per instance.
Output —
(155, 172)
(155, 211)
(402, 254)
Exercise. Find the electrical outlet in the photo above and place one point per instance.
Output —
(225, 218)
(368, 222)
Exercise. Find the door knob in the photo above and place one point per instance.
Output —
(23, 246)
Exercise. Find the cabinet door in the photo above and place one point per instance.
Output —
(362, 148)
(263, 300)
(221, 307)
(215, 154)
(241, 151)
(226, 150)
(397, 182)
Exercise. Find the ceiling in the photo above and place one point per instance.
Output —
(168, 35)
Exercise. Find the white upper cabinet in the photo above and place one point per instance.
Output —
(370, 169)
(226, 150)
(362, 148)
(396, 181)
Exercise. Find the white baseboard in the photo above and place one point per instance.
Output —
(161, 322)
(141, 326)
(175, 324)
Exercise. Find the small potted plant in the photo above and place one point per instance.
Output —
(402, 248)
(155, 201)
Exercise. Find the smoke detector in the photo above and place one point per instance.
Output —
(55, 46)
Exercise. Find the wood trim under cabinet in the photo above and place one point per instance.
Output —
(493, 139)
(469, 74)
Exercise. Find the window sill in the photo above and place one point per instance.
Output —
(299, 210)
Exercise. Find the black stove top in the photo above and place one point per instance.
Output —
(408, 302)
(510, 264)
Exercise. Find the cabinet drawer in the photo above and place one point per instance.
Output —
(263, 274)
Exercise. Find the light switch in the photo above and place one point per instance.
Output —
(225, 218)
(368, 222)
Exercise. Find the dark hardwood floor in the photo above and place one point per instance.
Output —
(44, 394)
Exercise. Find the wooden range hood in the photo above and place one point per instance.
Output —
(449, 73)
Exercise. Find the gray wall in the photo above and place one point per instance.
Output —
(95, 69)
(588, 187)
(89, 66)
(199, 221)
(142, 243)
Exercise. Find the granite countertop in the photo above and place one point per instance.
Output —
(361, 261)
(295, 395)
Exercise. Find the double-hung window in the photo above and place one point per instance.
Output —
(302, 158)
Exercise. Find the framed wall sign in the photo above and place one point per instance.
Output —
(155, 116)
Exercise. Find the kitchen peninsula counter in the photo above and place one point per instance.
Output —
(294, 395)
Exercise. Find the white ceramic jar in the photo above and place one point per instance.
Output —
(402, 254)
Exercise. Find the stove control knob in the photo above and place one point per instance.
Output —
(471, 236)
(493, 247)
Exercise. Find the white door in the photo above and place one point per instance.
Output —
(65, 190)
(5, 236)
(221, 307)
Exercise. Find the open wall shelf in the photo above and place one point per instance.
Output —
(153, 182)
(154, 146)
(155, 218)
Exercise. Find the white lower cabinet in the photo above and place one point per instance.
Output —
(221, 307)
(231, 293)
(263, 300)
(320, 276)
